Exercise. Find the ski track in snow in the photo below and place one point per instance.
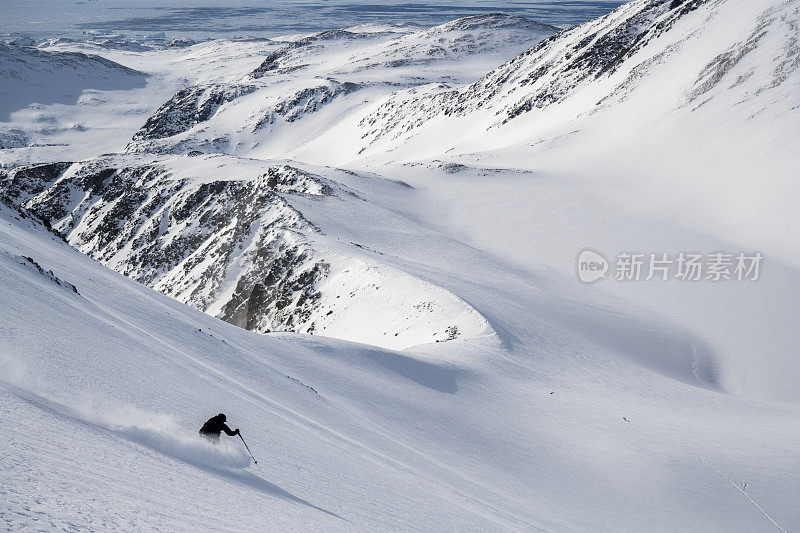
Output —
(742, 490)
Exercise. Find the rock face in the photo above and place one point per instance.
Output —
(48, 274)
(303, 102)
(21, 183)
(288, 179)
(541, 76)
(13, 138)
(230, 247)
(189, 107)
(203, 206)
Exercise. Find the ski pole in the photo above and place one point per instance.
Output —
(248, 448)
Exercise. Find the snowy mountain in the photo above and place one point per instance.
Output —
(111, 381)
(31, 76)
(659, 54)
(226, 236)
(669, 126)
(258, 270)
(319, 78)
(361, 246)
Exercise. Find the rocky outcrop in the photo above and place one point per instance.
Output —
(234, 248)
(21, 183)
(189, 107)
(303, 102)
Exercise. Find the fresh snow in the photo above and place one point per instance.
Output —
(395, 214)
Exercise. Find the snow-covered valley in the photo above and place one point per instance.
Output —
(362, 244)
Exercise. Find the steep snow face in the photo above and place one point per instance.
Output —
(31, 76)
(218, 233)
(692, 47)
(110, 384)
(308, 84)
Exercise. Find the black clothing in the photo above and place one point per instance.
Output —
(214, 426)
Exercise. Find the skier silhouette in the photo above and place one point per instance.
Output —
(214, 426)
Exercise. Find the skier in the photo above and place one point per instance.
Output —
(214, 426)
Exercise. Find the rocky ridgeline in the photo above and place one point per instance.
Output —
(188, 108)
(458, 39)
(303, 102)
(542, 76)
(234, 248)
(303, 77)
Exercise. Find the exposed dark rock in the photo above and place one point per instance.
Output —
(49, 275)
(544, 75)
(288, 179)
(272, 61)
(13, 138)
(305, 101)
(189, 239)
(189, 107)
(20, 183)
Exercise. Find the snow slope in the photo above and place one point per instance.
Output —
(304, 87)
(694, 57)
(557, 406)
(44, 132)
(661, 127)
(257, 269)
(110, 381)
